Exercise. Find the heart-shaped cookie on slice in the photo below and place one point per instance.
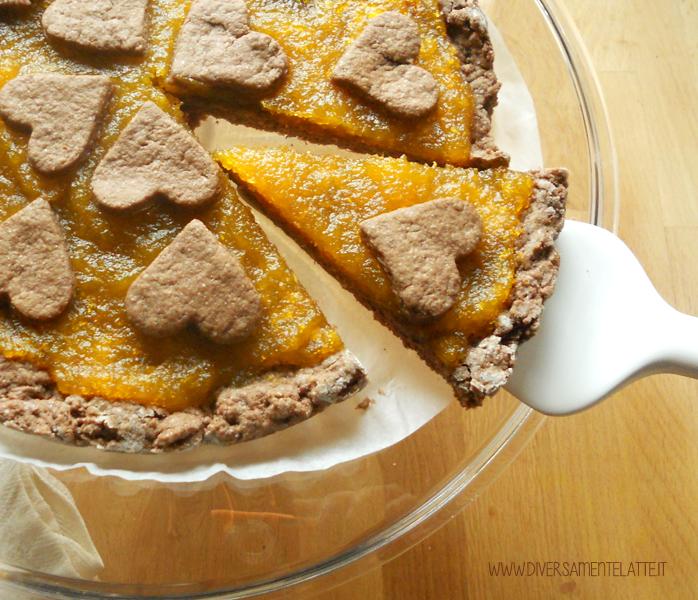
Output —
(103, 25)
(419, 246)
(63, 113)
(155, 156)
(195, 281)
(380, 65)
(216, 47)
(35, 269)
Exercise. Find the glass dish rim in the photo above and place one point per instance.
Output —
(496, 454)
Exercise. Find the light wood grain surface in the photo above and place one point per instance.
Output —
(618, 482)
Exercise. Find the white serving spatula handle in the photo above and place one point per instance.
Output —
(678, 344)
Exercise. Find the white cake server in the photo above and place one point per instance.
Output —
(604, 327)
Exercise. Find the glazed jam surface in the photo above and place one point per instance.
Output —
(315, 34)
(92, 349)
(323, 199)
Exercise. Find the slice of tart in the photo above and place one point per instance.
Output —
(457, 262)
(142, 309)
(389, 76)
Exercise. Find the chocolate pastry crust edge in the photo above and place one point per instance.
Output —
(489, 362)
(30, 402)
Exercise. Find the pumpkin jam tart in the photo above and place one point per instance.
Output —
(457, 262)
(143, 309)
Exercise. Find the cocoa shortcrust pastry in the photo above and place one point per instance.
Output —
(30, 402)
(467, 28)
(488, 363)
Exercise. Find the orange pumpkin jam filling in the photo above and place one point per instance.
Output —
(315, 35)
(92, 348)
(321, 200)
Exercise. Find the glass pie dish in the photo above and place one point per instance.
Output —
(300, 533)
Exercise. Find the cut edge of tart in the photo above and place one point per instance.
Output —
(483, 363)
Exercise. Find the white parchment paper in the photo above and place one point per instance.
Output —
(406, 393)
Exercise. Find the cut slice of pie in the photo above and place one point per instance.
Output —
(389, 76)
(397, 234)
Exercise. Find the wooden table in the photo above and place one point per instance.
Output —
(616, 485)
(619, 482)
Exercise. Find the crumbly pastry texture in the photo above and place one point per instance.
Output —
(489, 363)
(467, 27)
(30, 402)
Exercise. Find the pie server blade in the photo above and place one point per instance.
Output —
(604, 327)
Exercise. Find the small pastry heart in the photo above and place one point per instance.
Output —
(63, 113)
(155, 156)
(195, 281)
(419, 247)
(380, 65)
(215, 46)
(35, 269)
(103, 25)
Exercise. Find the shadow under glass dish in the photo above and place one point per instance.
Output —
(302, 533)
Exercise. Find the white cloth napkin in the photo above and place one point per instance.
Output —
(40, 526)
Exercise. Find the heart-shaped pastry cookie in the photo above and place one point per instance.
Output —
(195, 281)
(155, 156)
(380, 65)
(215, 46)
(35, 269)
(63, 113)
(419, 247)
(103, 25)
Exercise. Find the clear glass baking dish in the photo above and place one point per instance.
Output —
(303, 533)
